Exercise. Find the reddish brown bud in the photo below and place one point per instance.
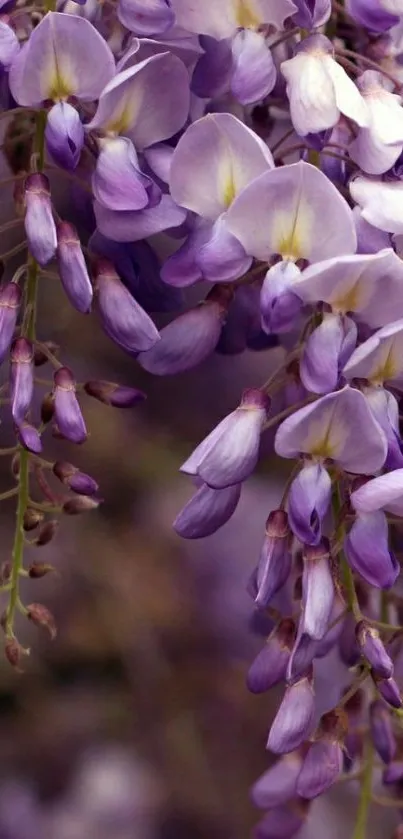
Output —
(40, 356)
(39, 569)
(47, 408)
(40, 616)
(5, 572)
(46, 532)
(32, 518)
(14, 653)
(113, 394)
(80, 504)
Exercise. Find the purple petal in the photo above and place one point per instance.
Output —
(70, 421)
(9, 45)
(294, 718)
(280, 823)
(212, 74)
(308, 502)
(317, 591)
(39, 223)
(21, 378)
(72, 268)
(254, 71)
(223, 19)
(117, 182)
(10, 301)
(126, 323)
(207, 511)
(321, 768)
(278, 784)
(384, 491)
(64, 135)
(275, 559)
(326, 351)
(369, 13)
(374, 650)
(136, 225)
(64, 56)
(312, 13)
(124, 105)
(270, 665)
(217, 157)
(29, 438)
(279, 305)
(281, 211)
(368, 552)
(222, 257)
(382, 731)
(146, 17)
(182, 267)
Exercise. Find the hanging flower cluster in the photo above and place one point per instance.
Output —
(262, 142)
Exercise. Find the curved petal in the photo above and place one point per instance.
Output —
(64, 56)
(133, 226)
(207, 511)
(146, 17)
(64, 135)
(381, 202)
(221, 20)
(379, 492)
(217, 157)
(254, 71)
(147, 103)
(117, 182)
(282, 210)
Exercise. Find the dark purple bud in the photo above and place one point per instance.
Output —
(282, 822)
(64, 135)
(350, 652)
(278, 784)
(29, 437)
(230, 452)
(311, 13)
(393, 773)
(40, 357)
(14, 653)
(46, 533)
(207, 511)
(39, 223)
(10, 301)
(77, 481)
(5, 572)
(80, 504)
(381, 731)
(367, 550)
(275, 559)
(324, 760)
(270, 665)
(68, 414)
(40, 616)
(308, 502)
(21, 378)
(294, 717)
(373, 650)
(48, 408)
(115, 395)
(32, 518)
(39, 569)
(389, 690)
(317, 590)
(72, 268)
(190, 338)
(126, 323)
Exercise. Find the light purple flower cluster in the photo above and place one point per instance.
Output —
(260, 144)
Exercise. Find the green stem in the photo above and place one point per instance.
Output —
(360, 829)
(28, 331)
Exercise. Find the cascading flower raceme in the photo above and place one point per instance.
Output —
(253, 151)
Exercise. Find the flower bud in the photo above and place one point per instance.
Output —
(40, 357)
(324, 760)
(80, 504)
(190, 338)
(40, 616)
(32, 518)
(381, 731)
(5, 572)
(207, 511)
(350, 652)
(393, 773)
(14, 653)
(21, 378)
(64, 135)
(123, 320)
(77, 481)
(270, 665)
(72, 268)
(68, 414)
(39, 569)
(48, 408)
(389, 690)
(115, 395)
(317, 590)
(373, 650)
(275, 559)
(278, 784)
(10, 301)
(46, 533)
(308, 502)
(39, 223)
(29, 438)
(294, 718)
(283, 822)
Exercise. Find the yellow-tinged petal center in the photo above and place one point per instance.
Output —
(60, 87)
(289, 246)
(245, 15)
(386, 369)
(349, 301)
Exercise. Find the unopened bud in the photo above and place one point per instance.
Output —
(68, 414)
(14, 652)
(39, 569)
(115, 395)
(32, 518)
(40, 616)
(72, 268)
(77, 481)
(80, 504)
(47, 408)
(10, 300)
(5, 572)
(46, 533)
(39, 223)
(40, 356)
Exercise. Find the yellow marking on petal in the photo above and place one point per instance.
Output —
(60, 87)
(291, 234)
(229, 191)
(387, 369)
(350, 301)
(121, 123)
(246, 18)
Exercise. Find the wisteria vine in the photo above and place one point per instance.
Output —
(260, 144)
